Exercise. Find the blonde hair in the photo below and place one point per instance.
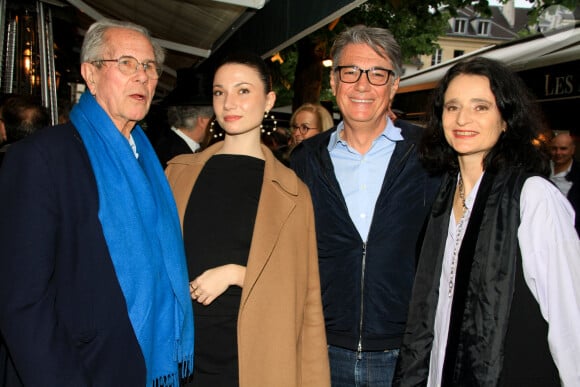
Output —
(323, 116)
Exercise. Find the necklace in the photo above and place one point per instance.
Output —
(462, 192)
(458, 237)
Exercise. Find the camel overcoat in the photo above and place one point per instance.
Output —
(281, 334)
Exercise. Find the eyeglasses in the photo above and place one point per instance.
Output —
(376, 76)
(303, 129)
(129, 66)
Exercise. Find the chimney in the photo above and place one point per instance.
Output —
(509, 12)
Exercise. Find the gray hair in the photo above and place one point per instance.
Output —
(185, 117)
(95, 41)
(379, 39)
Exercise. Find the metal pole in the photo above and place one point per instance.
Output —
(53, 90)
(47, 67)
(2, 29)
(8, 74)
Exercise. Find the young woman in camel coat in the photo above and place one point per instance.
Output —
(279, 326)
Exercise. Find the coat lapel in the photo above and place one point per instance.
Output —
(182, 176)
(277, 201)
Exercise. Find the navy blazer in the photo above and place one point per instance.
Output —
(63, 315)
(383, 265)
(169, 146)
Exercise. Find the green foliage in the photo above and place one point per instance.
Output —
(326, 92)
(283, 76)
(416, 24)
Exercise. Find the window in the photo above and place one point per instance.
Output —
(436, 57)
(457, 53)
(460, 26)
(483, 27)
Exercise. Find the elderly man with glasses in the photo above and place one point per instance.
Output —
(93, 282)
(371, 197)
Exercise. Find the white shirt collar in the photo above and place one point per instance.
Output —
(194, 146)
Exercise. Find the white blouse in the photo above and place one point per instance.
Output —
(550, 250)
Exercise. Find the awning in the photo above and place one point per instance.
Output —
(521, 54)
(548, 63)
(193, 30)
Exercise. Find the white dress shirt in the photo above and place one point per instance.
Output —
(194, 146)
(550, 251)
(361, 176)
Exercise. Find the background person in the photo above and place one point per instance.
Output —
(309, 120)
(188, 132)
(565, 171)
(248, 226)
(93, 282)
(306, 121)
(371, 197)
(496, 300)
(21, 116)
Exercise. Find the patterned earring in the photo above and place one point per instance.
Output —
(263, 119)
(265, 128)
(212, 130)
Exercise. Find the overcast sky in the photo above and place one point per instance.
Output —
(519, 3)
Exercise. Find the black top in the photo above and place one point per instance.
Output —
(218, 226)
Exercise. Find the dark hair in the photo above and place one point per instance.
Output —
(515, 147)
(23, 115)
(252, 60)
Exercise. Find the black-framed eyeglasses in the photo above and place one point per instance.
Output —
(303, 128)
(129, 65)
(377, 76)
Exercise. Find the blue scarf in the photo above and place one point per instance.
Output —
(141, 227)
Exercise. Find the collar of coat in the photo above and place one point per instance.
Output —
(274, 170)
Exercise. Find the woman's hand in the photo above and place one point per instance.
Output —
(213, 282)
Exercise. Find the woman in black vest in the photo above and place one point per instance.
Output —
(496, 300)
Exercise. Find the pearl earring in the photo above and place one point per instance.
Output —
(264, 127)
(213, 130)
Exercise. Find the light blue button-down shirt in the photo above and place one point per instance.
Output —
(361, 176)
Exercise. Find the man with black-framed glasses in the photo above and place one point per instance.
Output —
(371, 197)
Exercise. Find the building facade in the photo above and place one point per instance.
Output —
(470, 31)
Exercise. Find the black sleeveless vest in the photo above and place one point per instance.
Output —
(497, 336)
